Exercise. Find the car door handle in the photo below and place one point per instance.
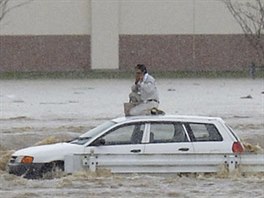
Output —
(183, 149)
(135, 150)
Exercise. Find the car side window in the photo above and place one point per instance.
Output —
(167, 132)
(203, 132)
(179, 133)
(125, 134)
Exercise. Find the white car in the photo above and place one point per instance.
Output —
(166, 134)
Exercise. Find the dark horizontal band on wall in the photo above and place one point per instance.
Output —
(45, 53)
(187, 52)
(65, 53)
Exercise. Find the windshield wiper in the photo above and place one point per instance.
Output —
(83, 138)
(80, 140)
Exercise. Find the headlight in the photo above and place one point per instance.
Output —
(27, 160)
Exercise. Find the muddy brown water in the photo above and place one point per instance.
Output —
(47, 111)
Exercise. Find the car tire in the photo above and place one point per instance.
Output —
(46, 172)
(51, 170)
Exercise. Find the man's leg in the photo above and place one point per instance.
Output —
(134, 98)
(143, 108)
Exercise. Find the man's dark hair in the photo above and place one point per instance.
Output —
(142, 68)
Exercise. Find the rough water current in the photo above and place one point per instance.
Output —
(46, 111)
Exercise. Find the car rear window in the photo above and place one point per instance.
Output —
(201, 132)
(232, 132)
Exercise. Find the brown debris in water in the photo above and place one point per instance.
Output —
(252, 148)
(52, 140)
(4, 158)
(77, 129)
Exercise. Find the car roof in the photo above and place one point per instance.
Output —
(183, 118)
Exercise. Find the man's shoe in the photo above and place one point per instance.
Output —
(155, 111)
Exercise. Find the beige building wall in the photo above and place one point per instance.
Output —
(58, 17)
(176, 17)
(105, 34)
(48, 17)
(212, 17)
(79, 35)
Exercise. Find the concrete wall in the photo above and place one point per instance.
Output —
(48, 17)
(192, 35)
(105, 34)
(60, 17)
(79, 35)
(176, 17)
(46, 35)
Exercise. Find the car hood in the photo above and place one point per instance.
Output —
(51, 152)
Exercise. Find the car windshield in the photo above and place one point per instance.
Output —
(93, 132)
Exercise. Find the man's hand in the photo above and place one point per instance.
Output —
(139, 77)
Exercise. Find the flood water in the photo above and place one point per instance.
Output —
(46, 111)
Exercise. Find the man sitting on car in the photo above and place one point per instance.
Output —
(144, 99)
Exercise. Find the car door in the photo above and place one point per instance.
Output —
(123, 139)
(207, 138)
(167, 137)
